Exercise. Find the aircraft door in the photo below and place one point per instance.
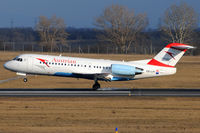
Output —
(29, 62)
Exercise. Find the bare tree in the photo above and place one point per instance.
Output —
(52, 31)
(120, 26)
(179, 22)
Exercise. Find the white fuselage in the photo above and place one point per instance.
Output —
(81, 67)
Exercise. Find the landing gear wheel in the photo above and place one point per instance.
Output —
(25, 79)
(96, 86)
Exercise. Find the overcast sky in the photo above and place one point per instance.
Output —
(79, 13)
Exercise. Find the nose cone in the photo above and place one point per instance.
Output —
(7, 65)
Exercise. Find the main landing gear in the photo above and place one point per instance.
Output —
(96, 85)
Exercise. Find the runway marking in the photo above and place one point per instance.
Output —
(86, 92)
(64, 93)
(13, 78)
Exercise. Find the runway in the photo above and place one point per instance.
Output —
(13, 78)
(63, 92)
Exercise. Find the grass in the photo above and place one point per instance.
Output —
(100, 115)
(187, 76)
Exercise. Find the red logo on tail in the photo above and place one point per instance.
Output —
(170, 54)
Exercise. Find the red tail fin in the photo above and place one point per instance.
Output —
(170, 55)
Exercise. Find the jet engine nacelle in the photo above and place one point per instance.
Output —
(124, 70)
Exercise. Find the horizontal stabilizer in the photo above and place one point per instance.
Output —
(183, 47)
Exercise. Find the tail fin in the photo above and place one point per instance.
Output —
(170, 55)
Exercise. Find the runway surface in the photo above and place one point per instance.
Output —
(13, 78)
(63, 92)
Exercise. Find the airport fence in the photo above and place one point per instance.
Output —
(78, 46)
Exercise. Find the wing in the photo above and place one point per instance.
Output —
(95, 76)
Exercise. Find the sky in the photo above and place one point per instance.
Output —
(79, 13)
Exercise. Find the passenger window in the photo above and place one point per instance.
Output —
(52, 63)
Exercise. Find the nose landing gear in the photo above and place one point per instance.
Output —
(25, 80)
(23, 75)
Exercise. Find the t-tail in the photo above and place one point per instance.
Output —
(170, 55)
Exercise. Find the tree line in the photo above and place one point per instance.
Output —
(118, 30)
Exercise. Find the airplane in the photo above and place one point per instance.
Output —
(99, 69)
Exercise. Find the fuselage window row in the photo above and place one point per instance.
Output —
(52, 63)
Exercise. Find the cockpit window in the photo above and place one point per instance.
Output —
(15, 58)
(18, 59)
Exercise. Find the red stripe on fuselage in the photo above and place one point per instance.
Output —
(157, 63)
(44, 61)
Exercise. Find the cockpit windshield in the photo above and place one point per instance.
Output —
(18, 59)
